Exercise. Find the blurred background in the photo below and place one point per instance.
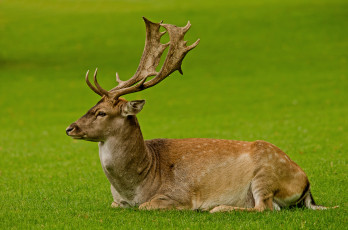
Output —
(270, 70)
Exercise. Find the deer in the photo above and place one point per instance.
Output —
(203, 174)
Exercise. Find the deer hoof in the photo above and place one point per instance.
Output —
(114, 205)
(145, 206)
(222, 208)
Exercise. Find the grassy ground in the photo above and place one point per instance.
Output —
(271, 70)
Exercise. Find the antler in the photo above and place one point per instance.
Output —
(99, 90)
(151, 56)
(150, 59)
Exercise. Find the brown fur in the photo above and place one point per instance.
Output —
(196, 173)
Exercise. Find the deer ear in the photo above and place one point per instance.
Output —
(132, 107)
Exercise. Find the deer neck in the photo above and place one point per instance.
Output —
(125, 159)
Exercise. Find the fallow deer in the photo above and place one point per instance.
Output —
(199, 174)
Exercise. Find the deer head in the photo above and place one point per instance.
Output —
(113, 114)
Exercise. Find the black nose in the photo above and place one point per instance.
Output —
(70, 128)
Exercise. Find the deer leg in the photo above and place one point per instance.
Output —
(262, 194)
(159, 202)
(118, 202)
(116, 198)
(260, 206)
(114, 204)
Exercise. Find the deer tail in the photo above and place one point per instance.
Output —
(310, 203)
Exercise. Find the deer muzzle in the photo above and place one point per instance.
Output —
(72, 130)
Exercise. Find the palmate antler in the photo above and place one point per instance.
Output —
(150, 59)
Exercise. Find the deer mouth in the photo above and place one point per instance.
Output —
(82, 136)
(76, 137)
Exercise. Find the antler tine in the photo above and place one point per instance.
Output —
(101, 90)
(193, 45)
(132, 89)
(91, 86)
(187, 27)
(119, 81)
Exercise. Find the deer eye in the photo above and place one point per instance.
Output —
(100, 113)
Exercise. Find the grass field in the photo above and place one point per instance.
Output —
(270, 70)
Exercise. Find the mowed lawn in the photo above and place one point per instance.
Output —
(264, 70)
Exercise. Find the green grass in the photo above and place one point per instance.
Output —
(271, 70)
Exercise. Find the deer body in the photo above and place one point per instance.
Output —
(196, 173)
(205, 174)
